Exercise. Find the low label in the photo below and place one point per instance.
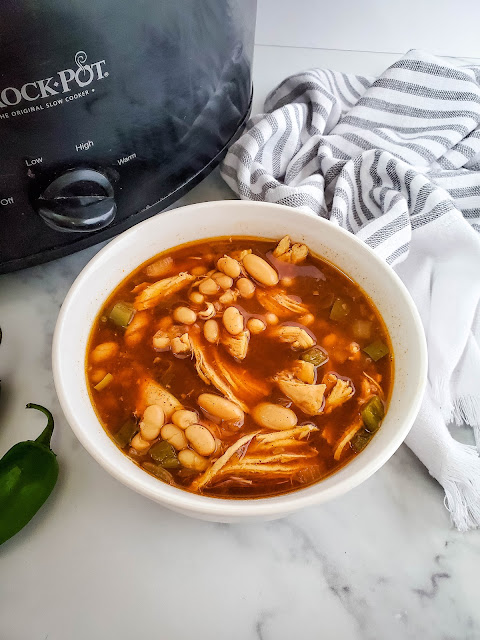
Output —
(33, 161)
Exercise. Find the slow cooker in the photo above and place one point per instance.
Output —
(109, 111)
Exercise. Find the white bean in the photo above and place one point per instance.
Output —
(233, 320)
(200, 270)
(271, 318)
(224, 281)
(175, 436)
(245, 287)
(196, 297)
(139, 444)
(260, 270)
(161, 341)
(201, 439)
(274, 416)
(307, 319)
(97, 375)
(184, 315)
(191, 460)
(211, 331)
(135, 331)
(183, 418)
(255, 325)
(104, 351)
(229, 266)
(228, 297)
(208, 287)
(220, 407)
(152, 421)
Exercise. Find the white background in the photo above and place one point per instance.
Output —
(444, 27)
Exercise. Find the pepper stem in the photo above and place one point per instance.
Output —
(46, 435)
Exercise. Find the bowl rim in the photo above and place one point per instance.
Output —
(207, 506)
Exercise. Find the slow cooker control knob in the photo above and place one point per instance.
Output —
(79, 200)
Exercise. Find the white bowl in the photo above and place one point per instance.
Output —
(238, 218)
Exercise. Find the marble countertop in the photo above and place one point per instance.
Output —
(101, 562)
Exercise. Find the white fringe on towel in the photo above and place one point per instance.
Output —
(396, 161)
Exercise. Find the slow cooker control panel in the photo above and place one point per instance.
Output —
(80, 200)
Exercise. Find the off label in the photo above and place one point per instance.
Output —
(6, 201)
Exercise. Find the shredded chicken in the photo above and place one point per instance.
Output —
(201, 481)
(234, 382)
(162, 290)
(140, 287)
(240, 254)
(296, 336)
(287, 251)
(260, 455)
(210, 375)
(308, 398)
(152, 392)
(181, 344)
(246, 386)
(171, 337)
(296, 432)
(237, 346)
(304, 371)
(346, 437)
(341, 392)
(370, 387)
(279, 302)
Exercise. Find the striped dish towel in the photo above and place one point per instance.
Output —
(395, 160)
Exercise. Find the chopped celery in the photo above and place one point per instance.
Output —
(373, 413)
(164, 453)
(340, 310)
(376, 350)
(126, 433)
(121, 314)
(315, 356)
(158, 471)
(104, 382)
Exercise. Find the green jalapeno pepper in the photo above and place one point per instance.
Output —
(28, 473)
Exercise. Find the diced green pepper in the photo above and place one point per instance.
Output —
(122, 314)
(158, 471)
(315, 356)
(360, 440)
(164, 453)
(340, 310)
(126, 433)
(373, 413)
(376, 350)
